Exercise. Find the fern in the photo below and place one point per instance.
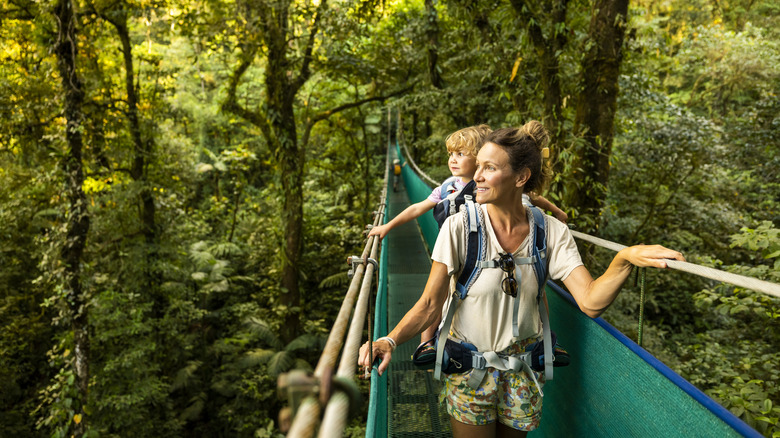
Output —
(226, 249)
(185, 375)
(334, 280)
(306, 342)
(256, 357)
(264, 332)
(280, 362)
(195, 407)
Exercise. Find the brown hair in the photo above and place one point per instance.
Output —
(525, 146)
(468, 140)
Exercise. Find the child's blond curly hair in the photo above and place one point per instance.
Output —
(468, 140)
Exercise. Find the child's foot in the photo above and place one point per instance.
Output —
(425, 354)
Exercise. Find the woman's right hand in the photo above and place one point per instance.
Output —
(379, 230)
(382, 349)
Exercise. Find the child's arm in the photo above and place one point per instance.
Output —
(410, 213)
(542, 202)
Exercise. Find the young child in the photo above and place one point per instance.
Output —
(545, 205)
(462, 147)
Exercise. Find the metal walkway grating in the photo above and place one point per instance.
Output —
(413, 405)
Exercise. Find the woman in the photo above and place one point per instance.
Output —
(506, 403)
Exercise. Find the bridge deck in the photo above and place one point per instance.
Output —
(412, 393)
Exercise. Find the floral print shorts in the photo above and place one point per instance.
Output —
(511, 397)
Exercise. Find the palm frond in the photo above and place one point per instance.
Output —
(334, 280)
(260, 328)
(185, 375)
(280, 362)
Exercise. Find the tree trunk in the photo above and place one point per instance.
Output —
(596, 108)
(276, 120)
(432, 32)
(141, 148)
(78, 217)
(546, 50)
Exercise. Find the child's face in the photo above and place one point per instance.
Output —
(462, 164)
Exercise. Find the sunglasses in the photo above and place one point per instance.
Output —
(508, 284)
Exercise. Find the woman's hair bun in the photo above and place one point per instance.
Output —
(536, 131)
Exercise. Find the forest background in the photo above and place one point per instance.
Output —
(181, 181)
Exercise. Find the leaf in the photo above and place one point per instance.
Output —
(338, 279)
(203, 167)
(264, 332)
(306, 342)
(196, 406)
(258, 356)
(184, 376)
(515, 68)
(280, 362)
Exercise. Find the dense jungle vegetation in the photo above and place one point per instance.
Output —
(181, 181)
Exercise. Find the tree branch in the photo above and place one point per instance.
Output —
(325, 114)
(305, 73)
(231, 104)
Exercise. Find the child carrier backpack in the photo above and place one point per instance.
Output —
(452, 199)
(458, 357)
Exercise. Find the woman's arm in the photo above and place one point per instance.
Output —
(594, 296)
(410, 213)
(425, 311)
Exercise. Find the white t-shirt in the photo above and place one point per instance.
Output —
(484, 318)
(436, 195)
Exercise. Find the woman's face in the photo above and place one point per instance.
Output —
(494, 177)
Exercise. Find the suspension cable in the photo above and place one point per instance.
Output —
(755, 284)
(417, 169)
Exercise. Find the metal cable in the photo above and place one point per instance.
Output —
(755, 284)
(336, 413)
(641, 274)
(417, 169)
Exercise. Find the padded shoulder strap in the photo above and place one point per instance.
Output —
(475, 248)
(539, 250)
(540, 268)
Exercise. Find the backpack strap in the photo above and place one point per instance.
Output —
(448, 186)
(539, 262)
(540, 269)
(473, 265)
(475, 249)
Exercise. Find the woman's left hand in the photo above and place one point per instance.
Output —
(650, 255)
